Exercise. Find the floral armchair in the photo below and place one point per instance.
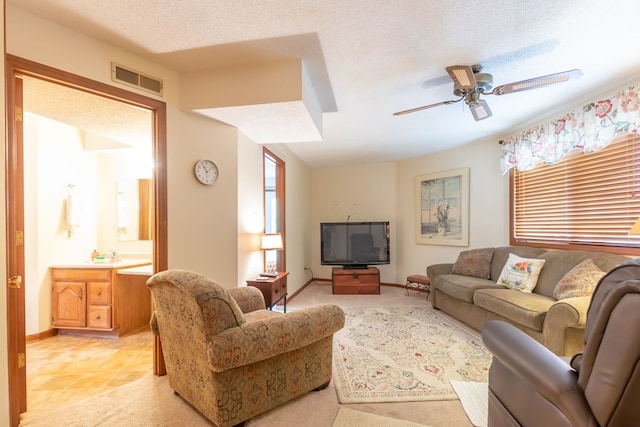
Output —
(229, 357)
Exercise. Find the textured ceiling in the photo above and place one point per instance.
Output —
(119, 125)
(369, 59)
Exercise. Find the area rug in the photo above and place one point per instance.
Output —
(404, 353)
(349, 418)
(474, 397)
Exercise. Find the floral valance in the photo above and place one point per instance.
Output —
(589, 129)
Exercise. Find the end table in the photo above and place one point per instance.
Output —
(274, 289)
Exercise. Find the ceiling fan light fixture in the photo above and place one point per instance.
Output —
(480, 110)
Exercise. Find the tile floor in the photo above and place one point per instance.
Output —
(65, 368)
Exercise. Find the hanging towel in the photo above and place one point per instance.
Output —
(74, 209)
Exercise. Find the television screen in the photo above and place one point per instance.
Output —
(354, 244)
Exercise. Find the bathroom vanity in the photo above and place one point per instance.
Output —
(103, 299)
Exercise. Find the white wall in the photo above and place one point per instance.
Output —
(488, 204)
(387, 192)
(250, 208)
(200, 217)
(55, 154)
(354, 193)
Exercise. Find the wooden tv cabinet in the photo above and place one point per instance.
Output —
(355, 281)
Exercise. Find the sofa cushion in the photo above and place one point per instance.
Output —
(521, 273)
(560, 262)
(462, 287)
(501, 254)
(580, 281)
(523, 308)
(474, 263)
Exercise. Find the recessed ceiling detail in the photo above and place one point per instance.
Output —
(270, 103)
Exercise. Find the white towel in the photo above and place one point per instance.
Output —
(74, 209)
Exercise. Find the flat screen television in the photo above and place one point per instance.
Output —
(354, 244)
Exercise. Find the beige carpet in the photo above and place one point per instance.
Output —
(404, 353)
(151, 402)
(148, 401)
(350, 418)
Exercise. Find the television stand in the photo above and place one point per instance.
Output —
(355, 280)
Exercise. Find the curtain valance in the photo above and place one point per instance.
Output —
(589, 129)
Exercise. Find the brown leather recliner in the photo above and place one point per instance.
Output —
(531, 386)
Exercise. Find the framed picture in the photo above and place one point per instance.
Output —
(442, 201)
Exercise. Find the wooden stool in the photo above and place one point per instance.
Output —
(419, 283)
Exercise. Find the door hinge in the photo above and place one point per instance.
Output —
(22, 360)
(19, 238)
(18, 114)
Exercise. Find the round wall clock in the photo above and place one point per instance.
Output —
(206, 171)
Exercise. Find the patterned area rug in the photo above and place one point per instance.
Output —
(404, 353)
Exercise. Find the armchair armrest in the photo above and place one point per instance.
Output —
(262, 339)
(544, 372)
(248, 298)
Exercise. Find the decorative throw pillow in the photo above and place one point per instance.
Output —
(521, 273)
(474, 263)
(580, 281)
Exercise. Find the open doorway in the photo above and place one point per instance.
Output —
(19, 255)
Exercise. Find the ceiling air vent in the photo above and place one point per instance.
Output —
(134, 78)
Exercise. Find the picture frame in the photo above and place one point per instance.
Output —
(442, 208)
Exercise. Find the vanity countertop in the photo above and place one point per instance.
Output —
(124, 263)
(143, 270)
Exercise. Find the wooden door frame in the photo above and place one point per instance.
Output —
(16, 66)
(281, 262)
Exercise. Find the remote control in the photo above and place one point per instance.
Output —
(269, 274)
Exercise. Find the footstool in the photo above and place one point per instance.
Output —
(419, 283)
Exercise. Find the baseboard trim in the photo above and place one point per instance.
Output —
(41, 335)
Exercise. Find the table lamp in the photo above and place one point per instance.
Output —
(269, 243)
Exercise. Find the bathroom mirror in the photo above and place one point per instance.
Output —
(133, 204)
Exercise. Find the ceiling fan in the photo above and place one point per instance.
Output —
(469, 83)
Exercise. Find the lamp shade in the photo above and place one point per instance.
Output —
(271, 242)
(636, 227)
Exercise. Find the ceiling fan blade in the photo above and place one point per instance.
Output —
(535, 82)
(462, 76)
(424, 107)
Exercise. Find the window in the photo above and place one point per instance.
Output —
(274, 212)
(586, 201)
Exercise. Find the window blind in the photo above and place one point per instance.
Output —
(588, 200)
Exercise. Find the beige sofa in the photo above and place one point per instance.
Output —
(558, 325)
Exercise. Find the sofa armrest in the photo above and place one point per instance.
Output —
(539, 369)
(438, 270)
(262, 339)
(564, 325)
(248, 298)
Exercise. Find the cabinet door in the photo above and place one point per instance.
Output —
(69, 304)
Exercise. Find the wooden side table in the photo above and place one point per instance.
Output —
(274, 289)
